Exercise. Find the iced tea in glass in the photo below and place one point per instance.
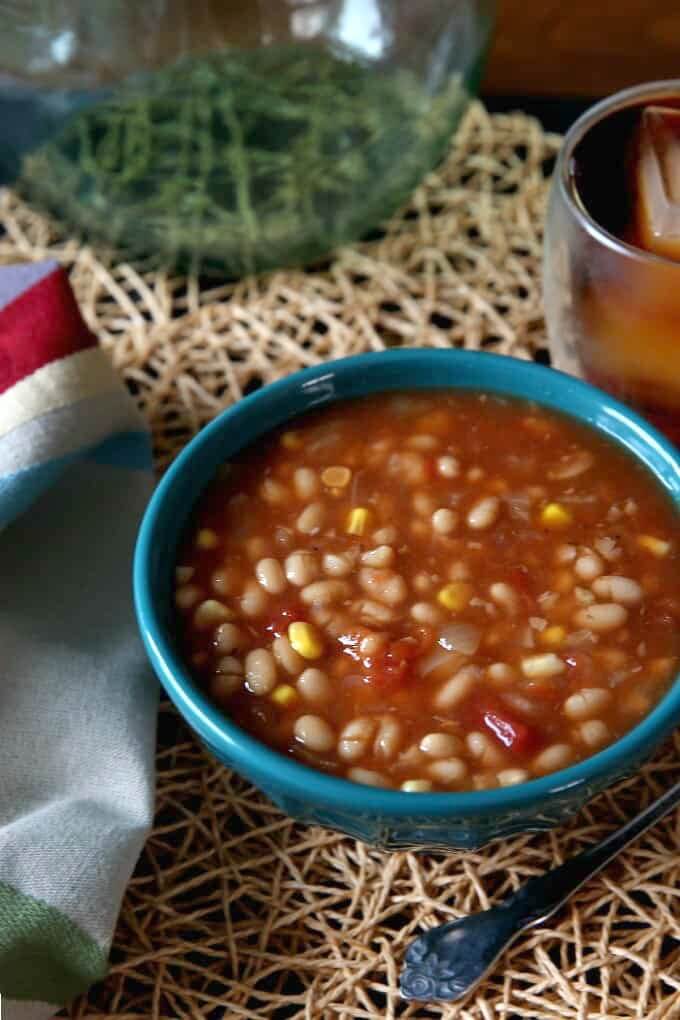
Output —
(612, 251)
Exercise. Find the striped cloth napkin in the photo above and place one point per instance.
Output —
(77, 703)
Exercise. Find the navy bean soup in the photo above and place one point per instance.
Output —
(432, 591)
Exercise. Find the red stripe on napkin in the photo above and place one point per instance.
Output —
(40, 326)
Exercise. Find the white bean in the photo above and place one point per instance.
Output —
(311, 519)
(511, 777)
(539, 667)
(256, 548)
(302, 567)
(230, 665)
(373, 613)
(409, 467)
(371, 643)
(228, 638)
(416, 786)
(338, 564)
(484, 513)
(424, 504)
(381, 556)
(187, 595)
(505, 596)
(210, 613)
(254, 600)
(588, 566)
(483, 749)
(423, 442)
(287, 657)
(260, 671)
(594, 733)
(457, 687)
(557, 756)
(586, 703)
(444, 521)
(355, 738)
(324, 593)
(425, 612)
(270, 575)
(423, 583)
(305, 483)
(314, 733)
(448, 771)
(619, 589)
(448, 466)
(459, 571)
(565, 554)
(388, 738)
(223, 685)
(367, 777)
(602, 617)
(440, 745)
(384, 585)
(273, 492)
(501, 673)
(386, 535)
(314, 685)
(184, 574)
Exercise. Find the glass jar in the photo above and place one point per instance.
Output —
(242, 138)
(612, 308)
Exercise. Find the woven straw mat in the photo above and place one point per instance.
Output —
(235, 910)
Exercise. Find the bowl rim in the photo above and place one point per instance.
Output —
(303, 782)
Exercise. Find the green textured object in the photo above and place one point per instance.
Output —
(244, 160)
(44, 955)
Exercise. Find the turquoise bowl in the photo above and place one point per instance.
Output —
(386, 818)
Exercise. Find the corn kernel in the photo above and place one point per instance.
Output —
(455, 596)
(553, 636)
(284, 695)
(207, 539)
(305, 640)
(656, 546)
(554, 515)
(357, 521)
(291, 440)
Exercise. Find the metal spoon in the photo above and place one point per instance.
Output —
(449, 961)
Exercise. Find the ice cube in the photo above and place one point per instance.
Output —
(658, 181)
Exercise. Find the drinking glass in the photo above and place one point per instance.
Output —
(612, 308)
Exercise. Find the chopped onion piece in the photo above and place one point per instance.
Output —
(460, 637)
(572, 464)
(519, 506)
(580, 637)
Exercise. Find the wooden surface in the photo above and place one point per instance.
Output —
(582, 47)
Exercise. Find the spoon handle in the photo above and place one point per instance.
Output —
(547, 893)
(447, 962)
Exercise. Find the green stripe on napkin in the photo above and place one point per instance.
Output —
(43, 954)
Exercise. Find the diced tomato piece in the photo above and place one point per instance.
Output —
(393, 667)
(515, 735)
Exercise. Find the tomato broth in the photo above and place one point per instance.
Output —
(432, 591)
